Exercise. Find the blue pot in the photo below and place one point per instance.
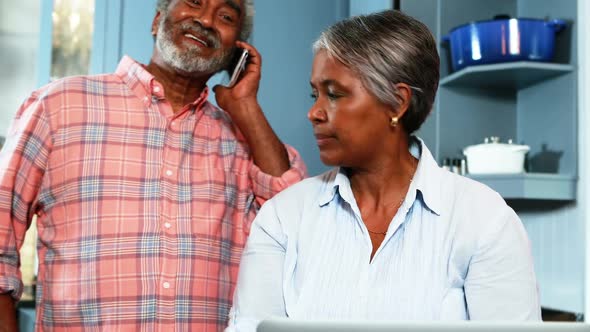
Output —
(503, 40)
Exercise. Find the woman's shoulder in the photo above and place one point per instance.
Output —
(478, 207)
(297, 203)
(466, 191)
(307, 189)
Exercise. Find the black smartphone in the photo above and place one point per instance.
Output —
(239, 67)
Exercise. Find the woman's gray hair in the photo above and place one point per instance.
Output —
(384, 49)
(247, 23)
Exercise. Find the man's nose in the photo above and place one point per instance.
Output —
(204, 17)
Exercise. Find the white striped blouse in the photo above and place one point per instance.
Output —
(454, 251)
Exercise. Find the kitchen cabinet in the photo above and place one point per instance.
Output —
(509, 82)
(510, 75)
(532, 103)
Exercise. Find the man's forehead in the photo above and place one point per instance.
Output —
(235, 4)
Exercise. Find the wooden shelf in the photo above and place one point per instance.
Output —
(531, 185)
(510, 75)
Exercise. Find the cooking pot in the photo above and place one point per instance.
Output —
(493, 157)
(503, 39)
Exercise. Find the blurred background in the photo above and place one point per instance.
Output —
(43, 40)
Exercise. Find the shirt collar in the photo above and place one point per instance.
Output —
(426, 181)
(336, 182)
(144, 85)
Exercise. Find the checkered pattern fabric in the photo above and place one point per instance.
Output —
(143, 213)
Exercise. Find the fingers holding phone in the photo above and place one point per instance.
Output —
(249, 57)
(238, 67)
(244, 79)
(253, 66)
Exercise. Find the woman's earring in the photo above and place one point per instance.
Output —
(394, 121)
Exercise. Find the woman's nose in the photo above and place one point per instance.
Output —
(316, 113)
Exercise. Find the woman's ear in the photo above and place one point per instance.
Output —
(404, 97)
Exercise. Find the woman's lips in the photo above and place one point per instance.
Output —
(323, 140)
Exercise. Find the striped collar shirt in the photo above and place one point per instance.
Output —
(142, 212)
(453, 251)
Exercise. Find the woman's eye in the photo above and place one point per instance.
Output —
(313, 96)
(332, 96)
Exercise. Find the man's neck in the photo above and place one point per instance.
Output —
(180, 89)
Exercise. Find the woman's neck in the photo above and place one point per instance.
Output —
(383, 183)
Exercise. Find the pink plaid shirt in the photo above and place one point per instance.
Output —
(143, 213)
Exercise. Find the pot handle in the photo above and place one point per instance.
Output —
(557, 25)
(502, 17)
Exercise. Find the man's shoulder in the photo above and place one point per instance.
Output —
(80, 83)
(72, 93)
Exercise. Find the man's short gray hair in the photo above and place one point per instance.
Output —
(247, 23)
(384, 49)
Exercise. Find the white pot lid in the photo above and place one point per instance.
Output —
(496, 147)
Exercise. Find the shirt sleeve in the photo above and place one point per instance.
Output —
(500, 282)
(22, 164)
(265, 186)
(259, 292)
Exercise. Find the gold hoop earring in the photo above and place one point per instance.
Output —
(394, 121)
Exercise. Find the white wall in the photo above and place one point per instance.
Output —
(19, 42)
(584, 136)
(361, 7)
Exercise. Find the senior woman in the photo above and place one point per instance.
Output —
(387, 234)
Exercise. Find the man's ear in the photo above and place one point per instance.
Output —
(156, 23)
(404, 97)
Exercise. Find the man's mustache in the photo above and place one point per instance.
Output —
(196, 29)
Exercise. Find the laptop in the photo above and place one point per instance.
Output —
(288, 325)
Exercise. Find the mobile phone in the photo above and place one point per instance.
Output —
(240, 66)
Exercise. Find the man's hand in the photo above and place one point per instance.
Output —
(235, 99)
(7, 314)
(241, 103)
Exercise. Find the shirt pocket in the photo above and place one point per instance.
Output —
(220, 205)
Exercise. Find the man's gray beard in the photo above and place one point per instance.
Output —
(189, 61)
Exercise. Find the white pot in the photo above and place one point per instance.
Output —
(495, 158)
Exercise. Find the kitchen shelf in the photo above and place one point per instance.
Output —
(512, 75)
(531, 185)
